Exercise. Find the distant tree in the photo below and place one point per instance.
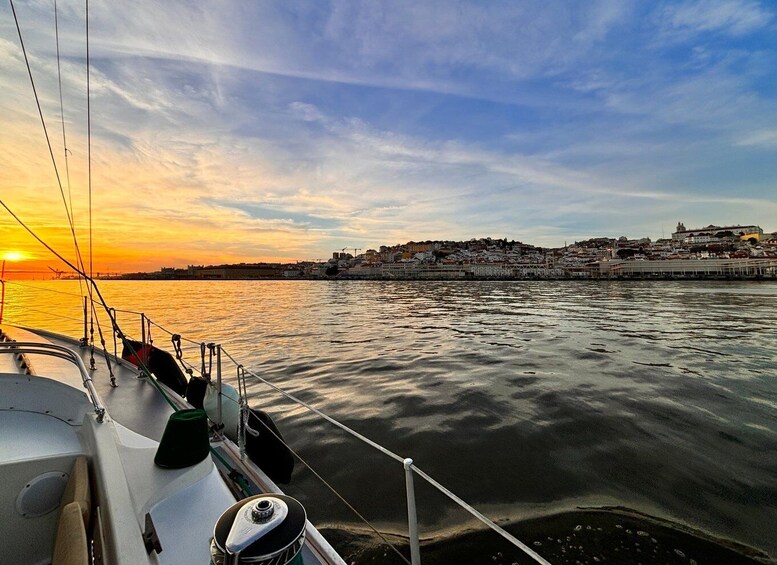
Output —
(752, 241)
(332, 271)
(626, 253)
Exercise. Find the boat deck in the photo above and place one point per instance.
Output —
(136, 404)
(133, 402)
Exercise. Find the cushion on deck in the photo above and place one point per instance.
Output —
(70, 546)
(78, 490)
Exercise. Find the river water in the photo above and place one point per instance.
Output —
(524, 398)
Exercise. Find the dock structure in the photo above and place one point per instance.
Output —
(689, 268)
(712, 268)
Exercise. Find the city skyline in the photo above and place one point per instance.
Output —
(276, 132)
(695, 242)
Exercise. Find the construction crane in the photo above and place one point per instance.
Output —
(57, 273)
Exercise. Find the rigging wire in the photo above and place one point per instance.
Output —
(102, 301)
(80, 271)
(45, 129)
(44, 289)
(105, 351)
(89, 135)
(64, 136)
(89, 169)
(56, 168)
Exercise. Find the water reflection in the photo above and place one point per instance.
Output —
(518, 396)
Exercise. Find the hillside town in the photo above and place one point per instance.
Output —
(724, 252)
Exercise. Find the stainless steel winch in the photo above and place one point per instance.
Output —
(264, 529)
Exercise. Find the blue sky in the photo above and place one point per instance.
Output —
(260, 130)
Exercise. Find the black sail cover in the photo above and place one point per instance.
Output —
(159, 362)
(265, 447)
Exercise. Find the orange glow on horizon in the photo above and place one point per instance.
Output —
(133, 229)
(150, 209)
(29, 260)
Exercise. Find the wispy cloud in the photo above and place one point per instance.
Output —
(729, 17)
(766, 138)
(285, 130)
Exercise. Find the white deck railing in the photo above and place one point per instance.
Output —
(60, 352)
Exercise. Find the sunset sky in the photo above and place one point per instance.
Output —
(249, 131)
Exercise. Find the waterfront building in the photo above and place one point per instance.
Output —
(242, 271)
(492, 270)
(690, 268)
(423, 271)
(363, 271)
(715, 233)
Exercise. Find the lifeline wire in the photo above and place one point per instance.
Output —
(337, 494)
(484, 519)
(43, 289)
(191, 341)
(64, 317)
(128, 311)
(331, 420)
(487, 521)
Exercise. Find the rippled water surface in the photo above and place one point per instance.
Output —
(524, 398)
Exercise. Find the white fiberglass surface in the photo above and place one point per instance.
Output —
(27, 435)
(181, 542)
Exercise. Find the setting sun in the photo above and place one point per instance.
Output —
(13, 256)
